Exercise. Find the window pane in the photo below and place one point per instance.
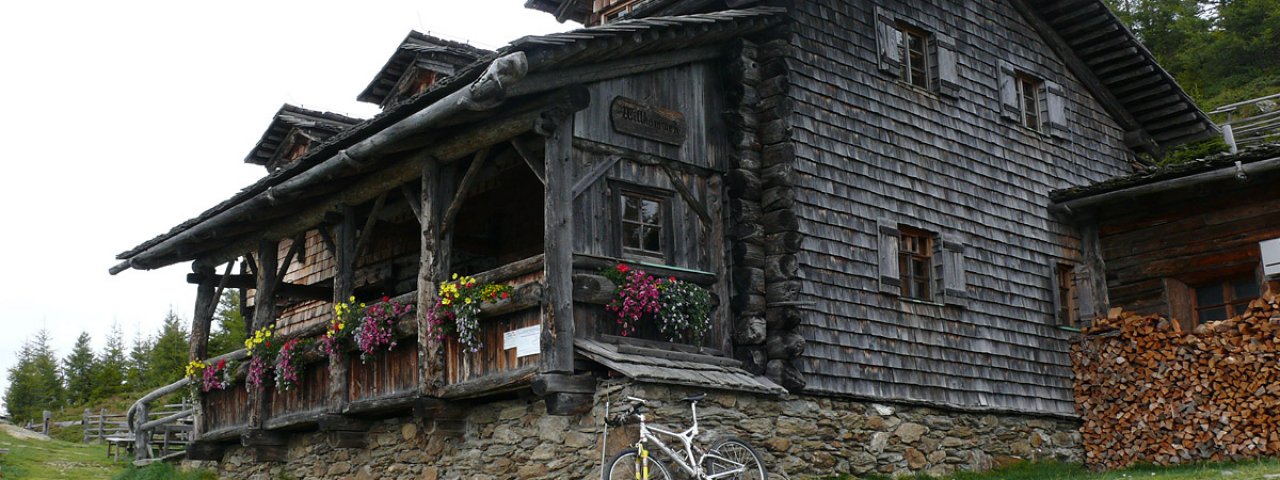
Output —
(630, 235)
(650, 213)
(1212, 314)
(630, 208)
(1210, 295)
(1244, 289)
(653, 239)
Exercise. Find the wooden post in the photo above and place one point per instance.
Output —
(102, 425)
(141, 439)
(45, 420)
(264, 314)
(557, 313)
(84, 426)
(344, 255)
(1095, 298)
(202, 319)
(437, 194)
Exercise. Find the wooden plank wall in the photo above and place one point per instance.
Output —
(226, 408)
(387, 374)
(689, 89)
(869, 147)
(311, 395)
(491, 358)
(1191, 237)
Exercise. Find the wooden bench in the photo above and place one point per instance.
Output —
(118, 443)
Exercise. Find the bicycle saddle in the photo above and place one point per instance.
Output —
(697, 397)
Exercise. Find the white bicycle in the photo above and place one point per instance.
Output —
(730, 458)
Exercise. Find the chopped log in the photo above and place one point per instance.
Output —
(1149, 391)
(568, 404)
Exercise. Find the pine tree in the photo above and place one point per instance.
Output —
(34, 383)
(138, 374)
(229, 332)
(168, 355)
(110, 367)
(79, 368)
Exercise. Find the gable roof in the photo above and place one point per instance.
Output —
(419, 47)
(557, 51)
(1147, 102)
(317, 126)
(1103, 54)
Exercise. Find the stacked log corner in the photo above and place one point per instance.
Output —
(1150, 392)
(764, 234)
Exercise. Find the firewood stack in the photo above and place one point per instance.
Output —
(1149, 392)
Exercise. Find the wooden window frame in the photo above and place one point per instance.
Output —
(1031, 101)
(1234, 306)
(663, 198)
(927, 62)
(923, 241)
(1067, 295)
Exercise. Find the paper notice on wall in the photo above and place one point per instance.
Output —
(527, 341)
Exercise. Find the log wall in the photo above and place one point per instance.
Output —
(868, 147)
(1194, 236)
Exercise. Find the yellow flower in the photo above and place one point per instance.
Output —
(341, 326)
(468, 300)
(455, 276)
(444, 302)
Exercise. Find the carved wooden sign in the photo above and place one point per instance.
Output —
(632, 117)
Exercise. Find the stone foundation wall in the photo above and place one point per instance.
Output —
(799, 436)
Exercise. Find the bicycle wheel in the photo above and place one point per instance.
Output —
(740, 452)
(623, 467)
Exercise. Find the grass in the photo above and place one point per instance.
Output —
(32, 458)
(163, 471)
(1248, 470)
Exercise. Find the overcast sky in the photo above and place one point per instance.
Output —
(121, 119)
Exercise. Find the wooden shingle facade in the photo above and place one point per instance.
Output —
(862, 187)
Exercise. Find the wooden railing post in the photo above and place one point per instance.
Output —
(84, 426)
(102, 425)
(141, 438)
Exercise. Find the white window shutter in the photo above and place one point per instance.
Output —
(1008, 91)
(955, 287)
(1270, 257)
(1055, 109)
(947, 80)
(890, 281)
(889, 42)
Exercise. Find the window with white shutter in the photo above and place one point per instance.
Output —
(915, 55)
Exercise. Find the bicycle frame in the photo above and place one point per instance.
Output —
(686, 438)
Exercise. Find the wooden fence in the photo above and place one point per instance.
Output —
(103, 425)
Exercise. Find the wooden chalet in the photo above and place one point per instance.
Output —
(863, 186)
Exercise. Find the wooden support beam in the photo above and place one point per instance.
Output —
(413, 199)
(532, 160)
(264, 314)
(438, 186)
(296, 245)
(283, 290)
(460, 196)
(557, 314)
(366, 233)
(343, 287)
(694, 202)
(202, 319)
(597, 171)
